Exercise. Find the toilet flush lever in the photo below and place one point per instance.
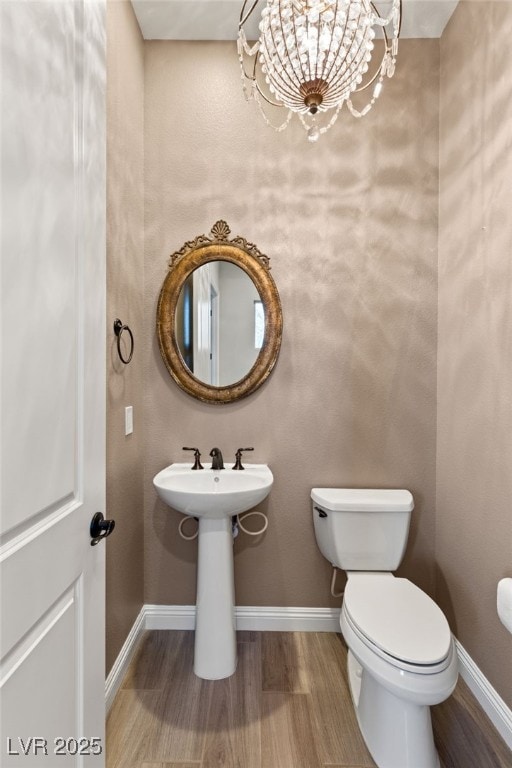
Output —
(321, 512)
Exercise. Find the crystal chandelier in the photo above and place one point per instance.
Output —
(313, 55)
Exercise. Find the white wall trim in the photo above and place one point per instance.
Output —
(126, 654)
(250, 617)
(272, 619)
(489, 699)
(170, 616)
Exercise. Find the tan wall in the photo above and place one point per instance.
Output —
(474, 454)
(125, 265)
(350, 225)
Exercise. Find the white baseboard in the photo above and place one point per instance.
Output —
(489, 699)
(269, 619)
(126, 654)
(250, 617)
(170, 616)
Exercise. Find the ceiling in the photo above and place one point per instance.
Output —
(218, 19)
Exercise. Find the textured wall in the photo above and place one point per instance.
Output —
(125, 270)
(350, 225)
(474, 455)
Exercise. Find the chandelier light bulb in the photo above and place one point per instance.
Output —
(313, 55)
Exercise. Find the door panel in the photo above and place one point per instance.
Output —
(48, 656)
(52, 414)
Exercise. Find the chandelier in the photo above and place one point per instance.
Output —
(313, 55)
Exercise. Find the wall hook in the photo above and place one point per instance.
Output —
(118, 330)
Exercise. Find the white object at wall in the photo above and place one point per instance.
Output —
(504, 602)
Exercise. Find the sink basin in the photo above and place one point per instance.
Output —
(213, 493)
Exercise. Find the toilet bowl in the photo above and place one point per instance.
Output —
(402, 660)
(401, 654)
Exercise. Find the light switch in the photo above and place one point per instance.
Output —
(128, 420)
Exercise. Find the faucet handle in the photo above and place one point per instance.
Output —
(238, 457)
(197, 457)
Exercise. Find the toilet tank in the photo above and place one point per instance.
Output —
(362, 529)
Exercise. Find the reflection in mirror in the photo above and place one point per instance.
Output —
(220, 323)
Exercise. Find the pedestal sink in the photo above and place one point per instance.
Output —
(214, 496)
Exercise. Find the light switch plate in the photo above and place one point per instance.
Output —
(128, 420)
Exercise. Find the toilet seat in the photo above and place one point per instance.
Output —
(398, 621)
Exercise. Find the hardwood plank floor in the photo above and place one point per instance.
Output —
(233, 737)
(287, 706)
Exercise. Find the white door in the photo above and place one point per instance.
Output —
(52, 420)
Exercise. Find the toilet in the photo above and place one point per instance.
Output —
(401, 654)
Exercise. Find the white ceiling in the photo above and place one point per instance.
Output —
(218, 19)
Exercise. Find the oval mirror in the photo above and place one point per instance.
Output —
(219, 319)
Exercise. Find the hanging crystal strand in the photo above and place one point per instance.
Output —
(277, 128)
(333, 119)
(241, 45)
(376, 93)
(394, 16)
(314, 135)
(313, 131)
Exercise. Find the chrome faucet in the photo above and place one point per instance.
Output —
(217, 460)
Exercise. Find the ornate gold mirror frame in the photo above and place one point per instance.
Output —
(195, 253)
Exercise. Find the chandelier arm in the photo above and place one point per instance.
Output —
(244, 72)
(383, 28)
(399, 6)
(243, 18)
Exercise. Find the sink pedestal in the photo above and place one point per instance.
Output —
(215, 636)
(214, 496)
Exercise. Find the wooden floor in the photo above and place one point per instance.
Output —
(287, 706)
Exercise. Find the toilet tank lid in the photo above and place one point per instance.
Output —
(363, 499)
